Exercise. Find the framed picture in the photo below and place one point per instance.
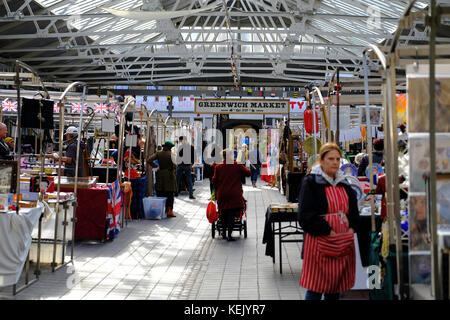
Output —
(8, 176)
(419, 150)
(420, 269)
(443, 198)
(418, 104)
(375, 115)
(418, 221)
(349, 169)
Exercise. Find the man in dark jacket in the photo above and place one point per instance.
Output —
(71, 153)
(185, 163)
(5, 153)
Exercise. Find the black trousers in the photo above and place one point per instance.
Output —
(228, 217)
(169, 196)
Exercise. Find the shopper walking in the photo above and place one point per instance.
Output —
(165, 177)
(255, 165)
(185, 166)
(328, 214)
(242, 158)
(228, 186)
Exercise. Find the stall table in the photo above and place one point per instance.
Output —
(289, 229)
(97, 212)
(15, 242)
(63, 223)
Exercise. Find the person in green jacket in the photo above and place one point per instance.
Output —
(166, 184)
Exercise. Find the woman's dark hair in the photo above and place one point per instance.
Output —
(378, 145)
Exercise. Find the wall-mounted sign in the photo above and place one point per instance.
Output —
(242, 106)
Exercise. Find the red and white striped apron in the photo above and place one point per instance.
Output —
(329, 262)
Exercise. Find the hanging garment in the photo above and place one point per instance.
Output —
(329, 263)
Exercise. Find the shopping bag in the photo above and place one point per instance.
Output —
(211, 212)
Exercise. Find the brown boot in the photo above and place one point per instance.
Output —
(170, 213)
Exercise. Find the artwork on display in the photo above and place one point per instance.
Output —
(443, 198)
(356, 186)
(376, 170)
(419, 100)
(418, 221)
(8, 176)
(344, 117)
(420, 269)
(349, 169)
(5, 201)
(419, 150)
(375, 115)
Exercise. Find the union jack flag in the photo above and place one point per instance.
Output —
(56, 107)
(76, 107)
(101, 108)
(114, 108)
(114, 207)
(9, 105)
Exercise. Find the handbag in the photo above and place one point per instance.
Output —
(211, 211)
(337, 245)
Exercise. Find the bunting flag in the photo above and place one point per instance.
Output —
(9, 105)
(56, 108)
(76, 107)
(101, 108)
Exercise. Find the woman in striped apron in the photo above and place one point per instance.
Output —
(329, 216)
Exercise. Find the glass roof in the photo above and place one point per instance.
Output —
(269, 30)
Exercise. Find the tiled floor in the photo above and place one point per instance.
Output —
(177, 258)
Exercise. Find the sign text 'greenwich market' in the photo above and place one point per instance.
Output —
(242, 106)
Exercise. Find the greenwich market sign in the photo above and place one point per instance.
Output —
(242, 106)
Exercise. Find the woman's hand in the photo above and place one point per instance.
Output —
(332, 233)
(351, 230)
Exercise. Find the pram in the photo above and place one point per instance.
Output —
(240, 223)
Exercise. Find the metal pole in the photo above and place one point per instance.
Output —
(337, 107)
(107, 157)
(313, 105)
(436, 272)
(19, 134)
(369, 136)
(395, 176)
(83, 97)
(388, 153)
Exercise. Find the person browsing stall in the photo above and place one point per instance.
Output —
(165, 177)
(377, 157)
(71, 153)
(328, 214)
(10, 142)
(228, 186)
(5, 152)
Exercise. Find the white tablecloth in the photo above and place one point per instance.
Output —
(15, 241)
